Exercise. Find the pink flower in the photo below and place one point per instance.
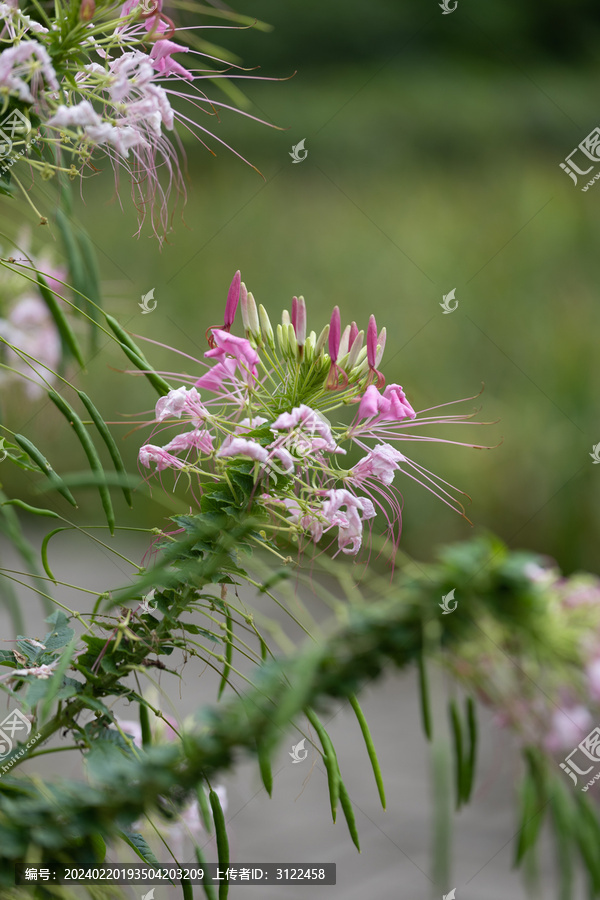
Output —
(392, 406)
(214, 379)
(237, 446)
(201, 440)
(176, 402)
(242, 351)
(381, 462)
(150, 453)
(399, 407)
(82, 114)
(349, 522)
(568, 727)
(250, 424)
(161, 59)
(311, 421)
(27, 60)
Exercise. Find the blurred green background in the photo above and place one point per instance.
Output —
(434, 144)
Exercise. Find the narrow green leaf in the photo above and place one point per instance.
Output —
(133, 352)
(424, 695)
(40, 460)
(228, 654)
(349, 814)
(532, 812)
(222, 840)
(90, 451)
(370, 747)
(108, 439)
(67, 335)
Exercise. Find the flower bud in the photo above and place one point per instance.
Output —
(335, 329)
(372, 341)
(380, 346)
(285, 318)
(322, 340)
(87, 10)
(233, 295)
(282, 339)
(344, 342)
(300, 323)
(266, 327)
(253, 322)
(292, 341)
(355, 349)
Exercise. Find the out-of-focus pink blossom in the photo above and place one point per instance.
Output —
(567, 728)
(31, 329)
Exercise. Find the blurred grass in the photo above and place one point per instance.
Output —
(418, 180)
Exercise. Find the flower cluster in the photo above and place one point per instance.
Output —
(106, 80)
(266, 404)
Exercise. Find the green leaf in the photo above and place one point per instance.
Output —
(139, 845)
(424, 697)
(55, 682)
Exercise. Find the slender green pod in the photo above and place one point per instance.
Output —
(349, 814)
(109, 441)
(228, 653)
(458, 751)
(222, 839)
(67, 335)
(204, 808)
(330, 761)
(208, 889)
(91, 453)
(424, 696)
(370, 747)
(264, 764)
(133, 352)
(145, 725)
(40, 460)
